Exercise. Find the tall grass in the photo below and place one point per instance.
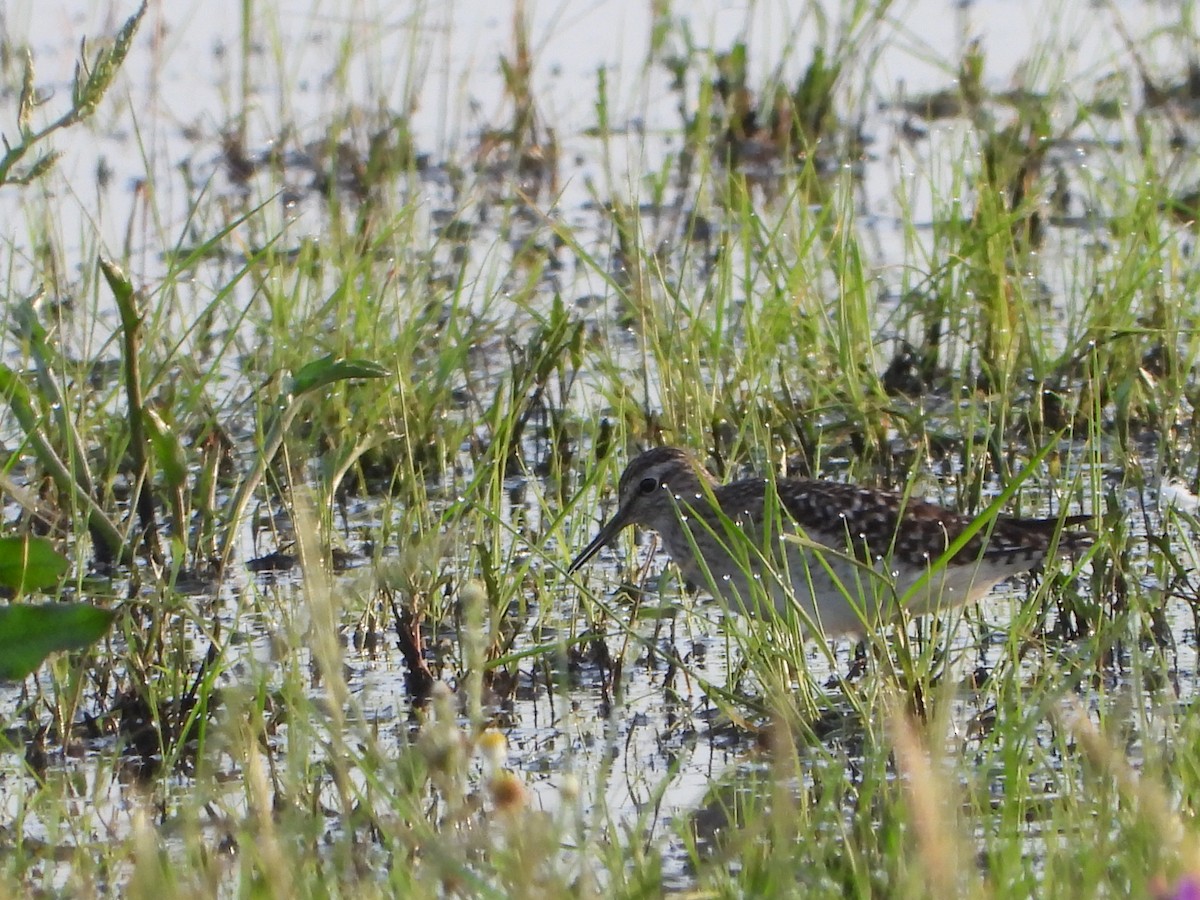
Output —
(410, 387)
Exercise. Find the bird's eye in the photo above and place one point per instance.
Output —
(648, 486)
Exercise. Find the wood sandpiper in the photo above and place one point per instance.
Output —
(851, 553)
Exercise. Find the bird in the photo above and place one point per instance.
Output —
(840, 555)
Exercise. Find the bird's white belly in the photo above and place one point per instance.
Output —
(829, 591)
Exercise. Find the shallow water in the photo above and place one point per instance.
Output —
(162, 127)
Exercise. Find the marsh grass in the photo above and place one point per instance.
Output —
(459, 439)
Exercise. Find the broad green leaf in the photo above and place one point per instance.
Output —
(124, 293)
(29, 563)
(28, 634)
(328, 370)
(168, 451)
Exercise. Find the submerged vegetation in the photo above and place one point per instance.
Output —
(303, 458)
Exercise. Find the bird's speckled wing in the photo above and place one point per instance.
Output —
(879, 523)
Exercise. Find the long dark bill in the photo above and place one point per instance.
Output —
(610, 530)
